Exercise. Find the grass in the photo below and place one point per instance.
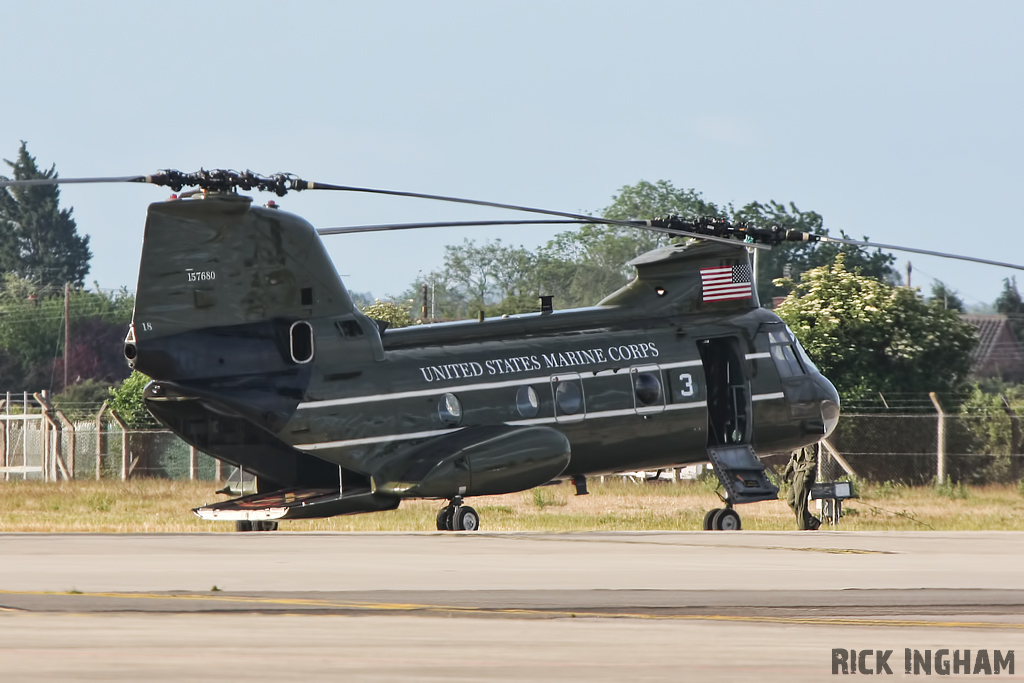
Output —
(156, 505)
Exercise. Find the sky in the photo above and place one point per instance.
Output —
(898, 121)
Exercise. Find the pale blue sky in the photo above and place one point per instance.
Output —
(898, 120)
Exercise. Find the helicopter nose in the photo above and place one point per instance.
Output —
(829, 405)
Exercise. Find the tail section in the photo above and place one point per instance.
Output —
(225, 287)
(235, 307)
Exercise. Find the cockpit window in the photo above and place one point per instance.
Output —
(808, 363)
(786, 361)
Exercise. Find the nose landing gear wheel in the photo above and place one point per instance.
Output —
(709, 519)
(466, 519)
(727, 520)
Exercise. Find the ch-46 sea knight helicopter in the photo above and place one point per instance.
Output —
(259, 358)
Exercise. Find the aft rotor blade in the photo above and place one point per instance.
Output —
(309, 185)
(74, 181)
(927, 252)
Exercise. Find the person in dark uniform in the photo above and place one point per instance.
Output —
(800, 473)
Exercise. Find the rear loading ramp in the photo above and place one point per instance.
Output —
(297, 503)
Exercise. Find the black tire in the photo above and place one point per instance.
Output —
(265, 525)
(243, 525)
(709, 519)
(728, 520)
(444, 518)
(466, 519)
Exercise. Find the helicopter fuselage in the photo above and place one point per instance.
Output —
(259, 358)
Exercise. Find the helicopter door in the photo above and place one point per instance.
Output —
(648, 389)
(727, 391)
(567, 391)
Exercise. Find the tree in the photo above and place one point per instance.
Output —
(868, 336)
(38, 240)
(789, 259)
(582, 266)
(945, 297)
(994, 411)
(32, 335)
(396, 315)
(1010, 304)
(126, 400)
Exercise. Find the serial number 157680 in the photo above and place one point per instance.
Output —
(201, 275)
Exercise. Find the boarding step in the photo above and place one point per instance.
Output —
(742, 474)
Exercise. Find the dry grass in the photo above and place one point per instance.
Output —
(153, 505)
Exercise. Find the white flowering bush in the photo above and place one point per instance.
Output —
(868, 336)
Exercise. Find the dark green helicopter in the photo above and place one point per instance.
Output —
(259, 358)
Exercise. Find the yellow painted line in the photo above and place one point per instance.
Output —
(562, 613)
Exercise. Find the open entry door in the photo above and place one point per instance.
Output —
(728, 391)
(729, 451)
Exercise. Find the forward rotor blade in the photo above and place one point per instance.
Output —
(74, 181)
(675, 232)
(444, 224)
(927, 252)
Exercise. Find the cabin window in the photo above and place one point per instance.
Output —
(449, 410)
(302, 342)
(349, 328)
(648, 388)
(527, 402)
(569, 398)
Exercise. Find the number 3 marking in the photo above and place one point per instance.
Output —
(687, 389)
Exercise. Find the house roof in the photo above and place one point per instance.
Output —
(998, 352)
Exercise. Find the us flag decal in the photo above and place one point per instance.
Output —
(722, 283)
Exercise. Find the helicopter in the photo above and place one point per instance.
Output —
(259, 357)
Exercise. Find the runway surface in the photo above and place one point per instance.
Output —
(497, 606)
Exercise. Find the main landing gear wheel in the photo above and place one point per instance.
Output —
(257, 525)
(465, 519)
(457, 517)
(722, 519)
(444, 518)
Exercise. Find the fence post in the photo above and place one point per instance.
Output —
(218, 471)
(940, 455)
(51, 427)
(24, 433)
(7, 436)
(1015, 441)
(125, 465)
(99, 440)
(193, 463)
(71, 444)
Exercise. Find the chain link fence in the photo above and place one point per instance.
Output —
(150, 453)
(906, 449)
(898, 447)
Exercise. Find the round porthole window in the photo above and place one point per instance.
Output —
(569, 398)
(648, 388)
(450, 410)
(527, 402)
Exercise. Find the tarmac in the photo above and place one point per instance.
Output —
(602, 606)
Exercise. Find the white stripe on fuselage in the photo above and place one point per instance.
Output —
(417, 393)
(625, 412)
(603, 414)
